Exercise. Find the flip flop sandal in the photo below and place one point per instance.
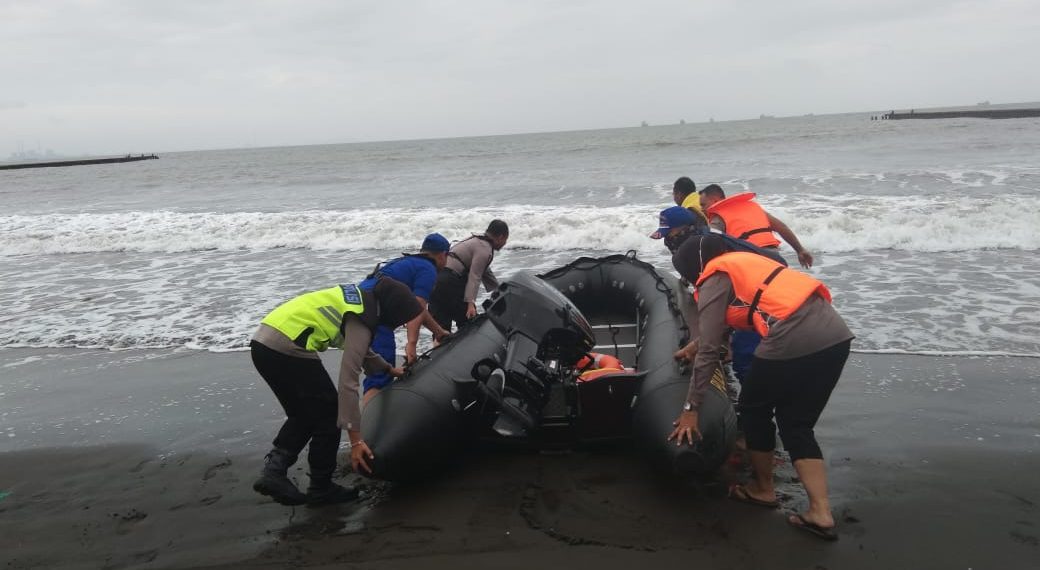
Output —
(740, 494)
(799, 522)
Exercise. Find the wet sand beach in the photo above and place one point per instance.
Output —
(145, 459)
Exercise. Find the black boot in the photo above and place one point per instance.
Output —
(322, 491)
(273, 481)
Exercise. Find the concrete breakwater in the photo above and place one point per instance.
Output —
(127, 158)
(977, 113)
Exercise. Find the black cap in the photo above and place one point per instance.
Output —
(694, 253)
(395, 303)
(389, 303)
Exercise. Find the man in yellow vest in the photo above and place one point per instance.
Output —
(285, 352)
(805, 344)
(740, 216)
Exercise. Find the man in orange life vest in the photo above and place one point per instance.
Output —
(797, 365)
(740, 216)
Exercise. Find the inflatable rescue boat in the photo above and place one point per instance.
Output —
(581, 354)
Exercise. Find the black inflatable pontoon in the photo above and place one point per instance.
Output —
(511, 376)
(635, 314)
(495, 376)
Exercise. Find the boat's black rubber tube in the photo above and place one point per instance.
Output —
(418, 423)
(622, 283)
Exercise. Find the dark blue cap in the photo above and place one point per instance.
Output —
(435, 243)
(671, 218)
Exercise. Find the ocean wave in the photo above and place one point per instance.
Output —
(824, 223)
(237, 345)
(895, 302)
(961, 353)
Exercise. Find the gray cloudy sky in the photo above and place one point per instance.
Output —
(115, 76)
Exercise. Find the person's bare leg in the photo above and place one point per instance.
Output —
(761, 487)
(813, 474)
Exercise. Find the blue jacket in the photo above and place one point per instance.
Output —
(417, 272)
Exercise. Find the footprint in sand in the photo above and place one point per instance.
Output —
(127, 521)
(212, 471)
(1026, 539)
(140, 466)
(146, 556)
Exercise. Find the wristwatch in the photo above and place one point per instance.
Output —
(687, 407)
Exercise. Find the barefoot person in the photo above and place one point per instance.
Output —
(804, 347)
(285, 352)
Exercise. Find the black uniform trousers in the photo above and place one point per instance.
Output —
(308, 396)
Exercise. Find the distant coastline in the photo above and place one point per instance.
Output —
(648, 124)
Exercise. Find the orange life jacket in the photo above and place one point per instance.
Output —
(599, 360)
(745, 219)
(765, 292)
(598, 365)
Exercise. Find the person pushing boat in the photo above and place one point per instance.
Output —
(454, 297)
(418, 271)
(742, 217)
(796, 366)
(285, 350)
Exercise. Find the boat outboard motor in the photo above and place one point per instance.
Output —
(545, 334)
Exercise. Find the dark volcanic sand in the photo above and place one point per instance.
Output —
(145, 459)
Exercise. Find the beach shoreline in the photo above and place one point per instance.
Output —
(145, 459)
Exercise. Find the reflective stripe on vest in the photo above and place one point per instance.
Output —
(314, 321)
(764, 291)
(745, 219)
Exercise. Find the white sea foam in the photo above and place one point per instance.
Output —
(968, 303)
(927, 240)
(26, 360)
(825, 223)
(975, 353)
(546, 228)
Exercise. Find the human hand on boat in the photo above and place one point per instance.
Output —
(440, 336)
(805, 258)
(686, 426)
(687, 353)
(396, 372)
(359, 456)
(471, 310)
(409, 354)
